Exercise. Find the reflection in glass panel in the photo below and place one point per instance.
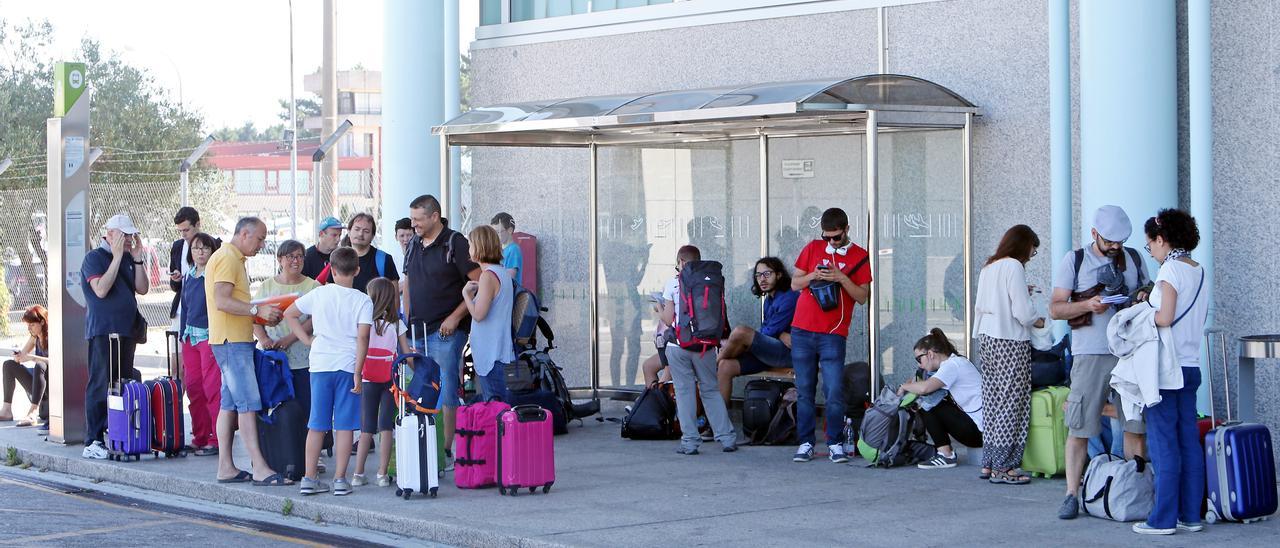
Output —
(921, 276)
(806, 176)
(888, 89)
(491, 12)
(501, 179)
(777, 92)
(652, 201)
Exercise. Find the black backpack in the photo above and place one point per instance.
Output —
(759, 406)
(704, 320)
(652, 416)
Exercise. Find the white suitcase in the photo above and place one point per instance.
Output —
(416, 466)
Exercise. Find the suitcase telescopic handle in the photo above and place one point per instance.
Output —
(113, 342)
(1211, 333)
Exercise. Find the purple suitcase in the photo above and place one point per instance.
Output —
(526, 450)
(128, 413)
(1240, 469)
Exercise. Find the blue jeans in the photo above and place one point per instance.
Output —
(1174, 442)
(447, 352)
(810, 352)
(1110, 440)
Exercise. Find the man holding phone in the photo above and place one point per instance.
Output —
(831, 275)
(112, 280)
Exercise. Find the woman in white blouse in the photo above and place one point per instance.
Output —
(1003, 318)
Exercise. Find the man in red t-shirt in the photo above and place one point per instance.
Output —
(831, 274)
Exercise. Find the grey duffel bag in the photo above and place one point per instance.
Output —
(1118, 489)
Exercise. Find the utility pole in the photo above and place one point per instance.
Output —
(293, 139)
(326, 187)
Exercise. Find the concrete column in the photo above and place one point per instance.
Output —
(327, 185)
(1201, 151)
(1060, 134)
(1128, 109)
(452, 99)
(412, 102)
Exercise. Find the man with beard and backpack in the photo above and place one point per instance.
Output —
(1085, 276)
(694, 303)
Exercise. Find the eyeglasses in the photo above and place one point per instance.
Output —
(199, 248)
(293, 257)
(765, 275)
(920, 357)
(1108, 243)
(835, 238)
(1148, 248)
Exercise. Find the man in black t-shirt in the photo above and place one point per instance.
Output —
(436, 267)
(374, 263)
(317, 256)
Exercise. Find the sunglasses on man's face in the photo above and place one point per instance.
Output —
(833, 238)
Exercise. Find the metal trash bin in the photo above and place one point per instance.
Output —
(1252, 348)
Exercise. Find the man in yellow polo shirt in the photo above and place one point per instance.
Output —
(231, 339)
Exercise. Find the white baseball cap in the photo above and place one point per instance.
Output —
(1112, 223)
(122, 223)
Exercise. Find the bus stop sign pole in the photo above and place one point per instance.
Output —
(69, 238)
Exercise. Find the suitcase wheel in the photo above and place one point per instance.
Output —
(533, 490)
(433, 492)
(408, 493)
(546, 488)
(399, 492)
(502, 490)
(1210, 517)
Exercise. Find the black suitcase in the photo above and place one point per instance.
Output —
(282, 435)
(760, 403)
(545, 400)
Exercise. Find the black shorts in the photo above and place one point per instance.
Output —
(377, 409)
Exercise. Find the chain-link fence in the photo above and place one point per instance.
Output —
(151, 202)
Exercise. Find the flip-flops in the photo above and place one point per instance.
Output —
(242, 477)
(274, 480)
(205, 452)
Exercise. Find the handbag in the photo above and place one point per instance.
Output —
(139, 331)
(519, 375)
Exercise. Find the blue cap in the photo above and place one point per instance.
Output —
(329, 222)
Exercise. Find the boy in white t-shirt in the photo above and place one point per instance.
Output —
(341, 318)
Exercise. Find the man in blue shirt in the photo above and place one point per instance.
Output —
(749, 351)
(111, 278)
(512, 258)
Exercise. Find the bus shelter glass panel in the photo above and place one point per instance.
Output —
(653, 200)
(546, 191)
(807, 175)
(921, 276)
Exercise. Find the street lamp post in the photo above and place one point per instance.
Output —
(191, 161)
(293, 140)
(317, 157)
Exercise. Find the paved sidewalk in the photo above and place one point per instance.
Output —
(612, 491)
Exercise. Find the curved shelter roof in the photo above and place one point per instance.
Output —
(831, 105)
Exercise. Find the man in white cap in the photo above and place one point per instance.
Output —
(112, 277)
(1105, 269)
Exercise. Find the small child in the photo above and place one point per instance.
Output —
(341, 319)
(376, 407)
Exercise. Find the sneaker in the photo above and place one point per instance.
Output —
(687, 450)
(1142, 528)
(95, 451)
(310, 486)
(341, 487)
(1070, 508)
(706, 434)
(320, 467)
(1190, 527)
(448, 460)
(836, 453)
(938, 462)
(384, 481)
(804, 453)
(358, 480)
(730, 448)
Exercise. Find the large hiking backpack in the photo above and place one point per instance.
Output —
(704, 320)
(549, 378)
(760, 404)
(526, 319)
(891, 435)
(652, 416)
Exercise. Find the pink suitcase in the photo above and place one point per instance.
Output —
(477, 445)
(526, 452)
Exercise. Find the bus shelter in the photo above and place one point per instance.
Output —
(742, 172)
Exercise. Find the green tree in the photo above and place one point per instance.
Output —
(307, 108)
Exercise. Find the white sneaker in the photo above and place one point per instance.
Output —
(358, 480)
(1142, 528)
(804, 453)
(384, 481)
(836, 453)
(95, 451)
(448, 461)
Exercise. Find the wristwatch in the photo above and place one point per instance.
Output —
(253, 310)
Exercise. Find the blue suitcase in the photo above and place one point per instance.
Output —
(128, 412)
(1240, 469)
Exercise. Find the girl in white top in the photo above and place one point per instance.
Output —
(1003, 318)
(958, 416)
(1171, 424)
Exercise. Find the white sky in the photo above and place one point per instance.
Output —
(230, 56)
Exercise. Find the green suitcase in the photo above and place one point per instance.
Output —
(1046, 453)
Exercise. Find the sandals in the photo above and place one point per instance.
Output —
(206, 451)
(1010, 477)
(985, 474)
(242, 477)
(274, 480)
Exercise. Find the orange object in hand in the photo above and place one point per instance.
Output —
(283, 302)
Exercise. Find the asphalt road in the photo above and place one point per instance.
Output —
(54, 511)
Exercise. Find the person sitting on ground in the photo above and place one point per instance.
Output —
(200, 374)
(404, 233)
(341, 319)
(34, 381)
(693, 372)
(512, 257)
(377, 410)
(749, 351)
(959, 415)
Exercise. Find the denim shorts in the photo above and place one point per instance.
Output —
(239, 378)
(333, 406)
(765, 353)
(447, 352)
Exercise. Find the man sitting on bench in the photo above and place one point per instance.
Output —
(748, 351)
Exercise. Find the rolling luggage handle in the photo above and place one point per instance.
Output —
(173, 347)
(1226, 379)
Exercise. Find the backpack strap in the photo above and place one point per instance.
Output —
(1193, 300)
(380, 262)
(1137, 263)
(1075, 279)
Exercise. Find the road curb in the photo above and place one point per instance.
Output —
(305, 508)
